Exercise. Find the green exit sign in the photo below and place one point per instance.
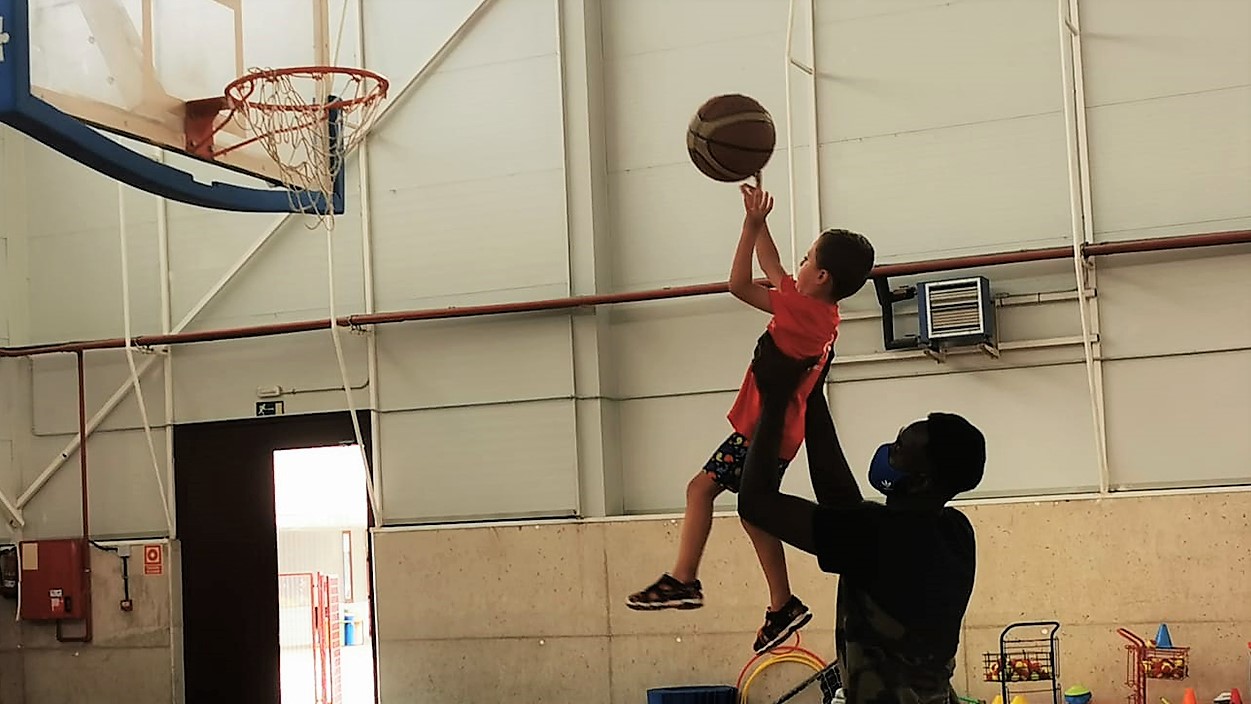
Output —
(269, 408)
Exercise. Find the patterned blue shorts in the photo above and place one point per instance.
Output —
(726, 464)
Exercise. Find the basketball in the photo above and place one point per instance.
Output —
(731, 138)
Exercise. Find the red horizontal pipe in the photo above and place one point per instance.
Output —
(903, 269)
(1160, 244)
(930, 266)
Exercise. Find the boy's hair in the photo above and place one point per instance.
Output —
(957, 451)
(848, 257)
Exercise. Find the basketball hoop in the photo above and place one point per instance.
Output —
(307, 119)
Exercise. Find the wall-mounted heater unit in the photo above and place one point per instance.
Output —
(956, 313)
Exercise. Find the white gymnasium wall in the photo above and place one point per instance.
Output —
(1169, 110)
(469, 207)
(8, 367)
(427, 204)
(1168, 94)
(940, 132)
(13, 408)
(8, 179)
(917, 105)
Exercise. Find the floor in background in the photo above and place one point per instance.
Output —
(299, 685)
(358, 674)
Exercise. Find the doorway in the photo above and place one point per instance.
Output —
(321, 515)
(228, 545)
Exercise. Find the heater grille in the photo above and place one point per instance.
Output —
(956, 309)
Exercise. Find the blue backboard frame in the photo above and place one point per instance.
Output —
(43, 122)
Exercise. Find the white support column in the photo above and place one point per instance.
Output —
(586, 200)
(14, 210)
(167, 357)
(814, 123)
(801, 236)
(793, 198)
(174, 583)
(367, 276)
(13, 206)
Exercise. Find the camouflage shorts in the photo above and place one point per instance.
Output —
(873, 679)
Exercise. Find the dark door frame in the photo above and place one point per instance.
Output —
(224, 494)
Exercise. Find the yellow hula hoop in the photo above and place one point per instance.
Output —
(795, 657)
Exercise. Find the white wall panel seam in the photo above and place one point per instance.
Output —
(1170, 96)
(940, 128)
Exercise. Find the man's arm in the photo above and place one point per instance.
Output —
(832, 479)
(756, 204)
(760, 501)
(845, 537)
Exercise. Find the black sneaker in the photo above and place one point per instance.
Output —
(782, 624)
(667, 593)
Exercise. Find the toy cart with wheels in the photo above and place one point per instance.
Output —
(1149, 661)
(1027, 660)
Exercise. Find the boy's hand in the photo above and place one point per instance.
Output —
(757, 203)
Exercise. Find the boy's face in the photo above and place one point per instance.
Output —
(811, 280)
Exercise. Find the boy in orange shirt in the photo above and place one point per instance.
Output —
(804, 324)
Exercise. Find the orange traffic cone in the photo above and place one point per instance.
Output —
(1190, 697)
(1235, 697)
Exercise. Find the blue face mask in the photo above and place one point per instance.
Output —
(884, 477)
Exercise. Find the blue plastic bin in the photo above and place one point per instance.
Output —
(717, 694)
(351, 630)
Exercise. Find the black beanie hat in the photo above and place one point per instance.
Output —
(957, 450)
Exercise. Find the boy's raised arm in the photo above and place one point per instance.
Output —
(768, 258)
(756, 204)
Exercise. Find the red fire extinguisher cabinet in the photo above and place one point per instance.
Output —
(53, 580)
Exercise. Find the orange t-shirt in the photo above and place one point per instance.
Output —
(801, 326)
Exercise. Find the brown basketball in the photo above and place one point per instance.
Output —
(731, 138)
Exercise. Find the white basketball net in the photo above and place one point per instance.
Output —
(289, 113)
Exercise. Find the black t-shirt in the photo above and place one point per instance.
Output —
(905, 579)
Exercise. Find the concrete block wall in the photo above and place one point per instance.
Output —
(128, 660)
(545, 618)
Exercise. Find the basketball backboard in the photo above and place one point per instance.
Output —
(130, 66)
